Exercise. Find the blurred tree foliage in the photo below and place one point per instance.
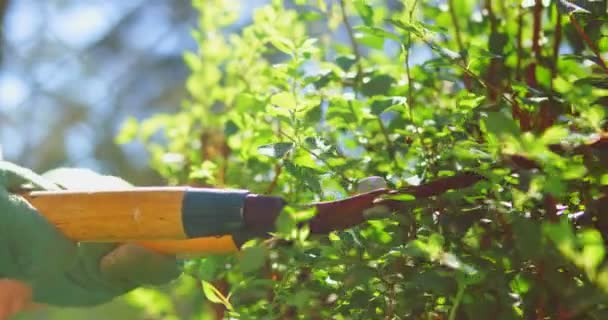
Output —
(311, 97)
(72, 71)
(512, 92)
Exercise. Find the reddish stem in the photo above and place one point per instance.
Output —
(520, 51)
(538, 9)
(549, 204)
(588, 41)
(273, 184)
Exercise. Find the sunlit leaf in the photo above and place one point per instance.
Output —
(214, 295)
(593, 249)
(402, 197)
(276, 150)
(554, 135)
(284, 100)
(365, 11)
(128, 132)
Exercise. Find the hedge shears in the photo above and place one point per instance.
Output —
(186, 221)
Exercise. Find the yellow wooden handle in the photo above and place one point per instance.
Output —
(192, 248)
(171, 220)
(111, 216)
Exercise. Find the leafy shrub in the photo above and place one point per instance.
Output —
(307, 99)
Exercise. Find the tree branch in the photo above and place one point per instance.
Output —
(588, 41)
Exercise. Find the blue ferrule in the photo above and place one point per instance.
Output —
(213, 212)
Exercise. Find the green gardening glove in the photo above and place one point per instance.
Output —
(60, 271)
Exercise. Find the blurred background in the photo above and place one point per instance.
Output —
(72, 71)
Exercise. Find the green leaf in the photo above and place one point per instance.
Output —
(305, 175)
(284, 100)
(433, 246)
(377, 85)
(205, 171)
(520, 284)
(370, 40)
(499, 124)
(402, 197)
(214, 295)
(246, 101)
(193, 61)
(152, 125)
(598, 82)
(378, 33)
(365, 11)
(154, 302)
(209, 267)
(563, 237)
(471, 101)
(128, 132)
(596, 115)
(345, 62)
(529, 241)
(593, 249)
(230, 128)
(276, 150)
(379, 106)
(286, 223)
(555, 134)
(303, 215)
(497, 42)
(285, 45)
(253, 258)
(311, 16)
(574, 171)
(469, 275)
(340, 113)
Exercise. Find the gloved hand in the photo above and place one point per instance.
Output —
(59, 271)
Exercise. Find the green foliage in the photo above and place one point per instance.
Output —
(305, 101)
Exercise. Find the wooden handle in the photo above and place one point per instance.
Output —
(113, 216)
(172, 220)
(192, 248)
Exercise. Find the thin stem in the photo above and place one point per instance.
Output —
(454, 17)
(588, 41)
(353, 42)
(556, 45)
(456, 26)
(457, 301)
(390, 309)
(410, 92)
(520, 50)
(410, 96)
(389, 144)
(491, 16)
(496, 63)
(537, 26)
(277, 173)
